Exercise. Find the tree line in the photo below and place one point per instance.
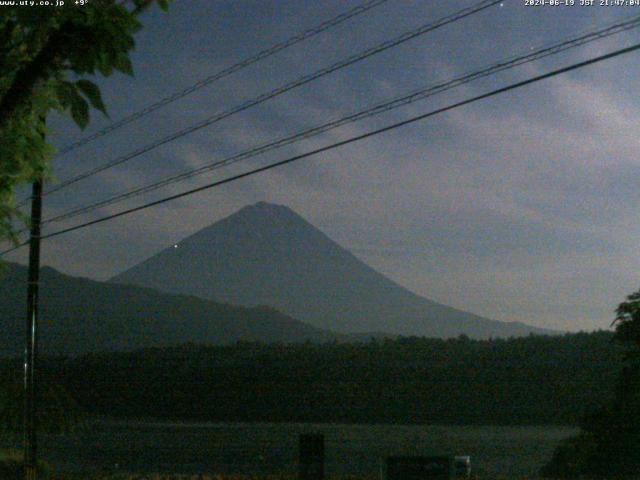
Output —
(520, 381)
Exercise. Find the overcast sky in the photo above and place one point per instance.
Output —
(519, 207)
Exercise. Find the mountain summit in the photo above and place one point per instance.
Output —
(267, 254)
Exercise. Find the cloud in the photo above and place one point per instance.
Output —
(520, 207)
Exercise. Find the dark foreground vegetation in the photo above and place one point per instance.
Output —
(609, 441)
(532, 380)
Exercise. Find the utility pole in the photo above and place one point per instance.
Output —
(30, 351)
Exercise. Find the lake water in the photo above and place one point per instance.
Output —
(250, 448)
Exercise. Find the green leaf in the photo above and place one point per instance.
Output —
(164, 4)
(65, 92)
(104, 64)
(80, 111)
(92, 92)
(124, 64)
(70, 98)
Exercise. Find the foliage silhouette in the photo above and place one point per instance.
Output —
(609, 441)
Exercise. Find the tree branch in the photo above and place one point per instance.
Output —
(27, 78)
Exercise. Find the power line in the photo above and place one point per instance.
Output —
(484, 4)
(357, 138)
(414, 96)
(307, 34)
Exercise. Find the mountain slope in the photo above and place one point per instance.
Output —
(266, 254)
(80, 315)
